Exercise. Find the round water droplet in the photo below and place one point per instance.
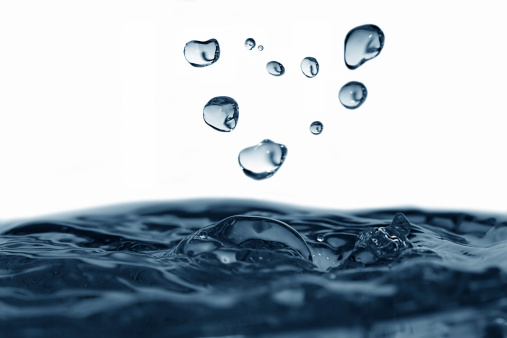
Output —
(250, 43)
(275, 68)
(203, 235)
(261, 48)
(221, 113)
(363, 43)
(352, 95)
(310, 67)
(202, 53)
(320, 237)
(316, 127)
(263, 160)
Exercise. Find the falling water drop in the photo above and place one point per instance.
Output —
(221, 113)
(310, 67)
(352, 95)
(363, 43)
(261, 48)
(316, 127)
(250, 43)
(262, 160)
(202, 53)
(275, 68)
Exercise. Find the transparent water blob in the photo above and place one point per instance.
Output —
(250, 43)
(352, 95)
(275, 68)
(362, 43)
(316, 127)
(261, 48)
(262, 160)
(221, 113)
(202, 53)
(310, 67)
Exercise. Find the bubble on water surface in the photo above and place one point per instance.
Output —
(310, 67)
(316, 127)
(261, 48)
(275, 68)
(352, 95)
(202, 53)
(221, 113)
(250, 43)
(262, 160)
(362, 43)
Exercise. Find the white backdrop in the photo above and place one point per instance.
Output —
(99, 106)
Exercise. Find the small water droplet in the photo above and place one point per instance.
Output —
(275, 68)
(363, 43)
(250, 43)
(310, 67)
(262, 160)
(221, 113)
(320, 238)
(316, 127)
(202, 53)
(261, 48)
(203, 235)
(352, 95)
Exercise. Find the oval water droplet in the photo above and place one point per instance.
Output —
(275, 68)
(202, 53)
(250, 43)
(316, 127)
(310, 67)
(221, 113)
(352, 95)
(320, 238)
(261, 48)
(362, 43)
(262, 160)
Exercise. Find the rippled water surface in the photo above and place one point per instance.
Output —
(240, 267)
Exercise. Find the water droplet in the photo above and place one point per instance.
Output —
(250, 43)
(202, 53)
(363, 43)
(203, 235)
(262, 160)
(310, 67)
(221, 113)
(320, 238)
(352, 95)
(261, 48)
(316, 127)
(275, 68)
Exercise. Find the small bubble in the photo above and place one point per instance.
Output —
(202, 54)
(316, 127)
(203, 235)
(352, 95)
(320, 237)
(275, 68)
(310, 67)
(261, 48)
(262, 160)
(250, 43)
(362, 43)
(221, 113)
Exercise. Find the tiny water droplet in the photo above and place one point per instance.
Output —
(275, 68)
(262, 160)
(221, 113)
(310, 67)
(353, 94)
(203, 235)
(250, 43)
(316, 127)
(202, 53)
(320, 237)
(261, 48)
(362, 43)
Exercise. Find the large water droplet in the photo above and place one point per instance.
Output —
(250, 43)
(316, 127)
(352, 95)
(202, 53)
(310, 67)
(363, 43)
(275, 68)
(261, 48)
(221, 113)
(263, 160)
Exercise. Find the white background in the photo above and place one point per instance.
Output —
(99, 106)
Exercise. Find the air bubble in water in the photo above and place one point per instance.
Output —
(363, 43)
(320, 238)
(310, 67)
(261, 48)
(275, 68)
(250, 43)
(262, 160)
(202, 53)
(316, 127)
(352, 95)
(221, 113)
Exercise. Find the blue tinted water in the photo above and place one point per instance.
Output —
(241, 267)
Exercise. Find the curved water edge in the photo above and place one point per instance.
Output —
(222, 267)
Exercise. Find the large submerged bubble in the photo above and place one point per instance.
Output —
(352, 95)
(362, 43)
(221, 113)
(250, 43)
(202, 53)
(310, 67)
(262, 160)
(275, 68)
